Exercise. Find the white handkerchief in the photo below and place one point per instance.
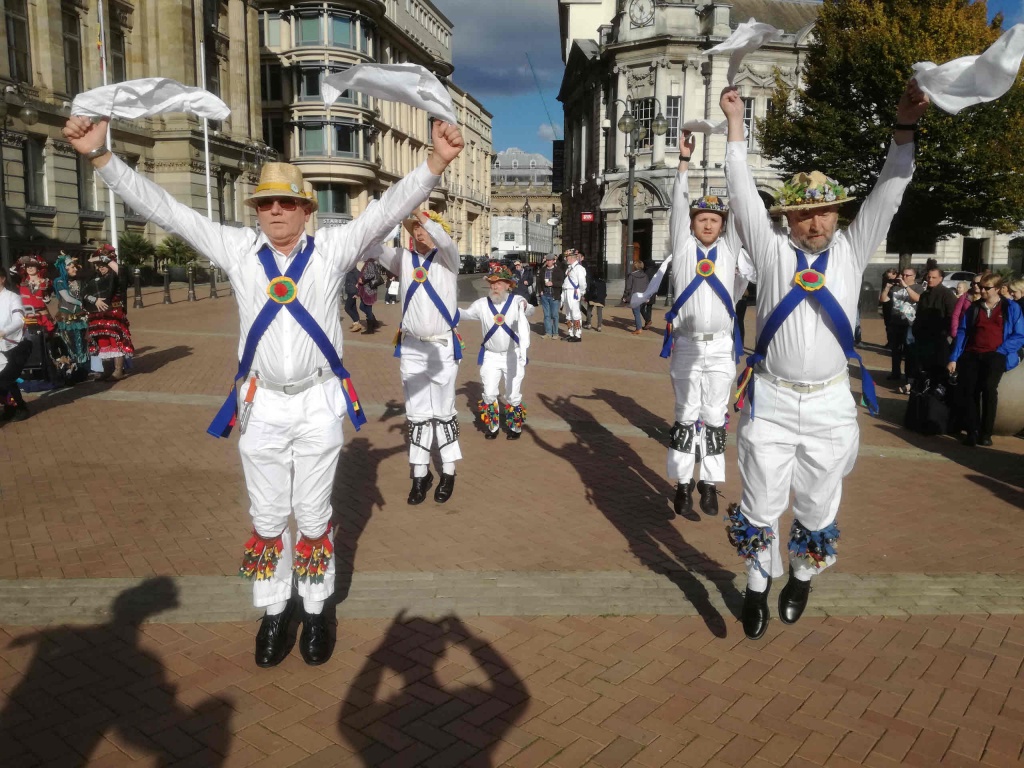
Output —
(705, 126)
(408, 83)
(971, 80)
(133, 99)
(748, 37)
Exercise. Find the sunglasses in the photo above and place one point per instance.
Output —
(988, 287)
(976, 285)
(286, 203)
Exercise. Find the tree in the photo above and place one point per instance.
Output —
(134, 249)
(970, 167)
(173, 251)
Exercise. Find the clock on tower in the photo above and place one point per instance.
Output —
(641, 12)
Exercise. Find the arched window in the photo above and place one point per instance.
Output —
(533, 164)
(515, 163)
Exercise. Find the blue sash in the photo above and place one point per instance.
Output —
(282, 293)
(575, 287)
(705, 274)
(421, 276)
(809, 282)
(497, 325)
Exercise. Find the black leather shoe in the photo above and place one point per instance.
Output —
(684, 499)
(272, 639)
(420, 486)
(22, 412)
(708, 498)
(513, 435)
(491, 435)
(445, 486)
(315, 640)
(755, 612)
(793, 599)
(985, 441)
(971, 439)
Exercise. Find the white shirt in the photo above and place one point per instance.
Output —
(422, 318)
(704, 311)
(286, 353)
(12, 320)
(579, 274)
(516, 318)
(804, 348)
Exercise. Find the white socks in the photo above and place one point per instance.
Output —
(311, 606)
(419, 470)
(276, 608)
(448, 467)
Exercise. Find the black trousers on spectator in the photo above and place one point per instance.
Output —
(350, 308)
(978, 381)
(897, 337)
(12, 370)
(741, 313)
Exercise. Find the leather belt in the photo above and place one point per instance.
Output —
(295, 387)
(802, 387)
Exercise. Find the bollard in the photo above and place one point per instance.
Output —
(137, 303)
(167, 286)
(213, 282)
(191, 283)
(231, 291)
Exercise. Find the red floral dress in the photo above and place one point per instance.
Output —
(34, 297)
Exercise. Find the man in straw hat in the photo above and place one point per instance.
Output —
(574, 288)
(295, 391)
(429, 347)
(798, 433)
(504, 323)
(701, 337)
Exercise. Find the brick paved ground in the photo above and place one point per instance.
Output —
(885, 669)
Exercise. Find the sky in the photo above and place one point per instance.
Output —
(491, 41)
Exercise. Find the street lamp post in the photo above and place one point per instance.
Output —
(635, 133)
(28, 116)
(526, 229)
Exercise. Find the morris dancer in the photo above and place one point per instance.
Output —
(504, 323)
(430, 348)
(574, 288)
(702, 338)
(798, 433)
(295, 389)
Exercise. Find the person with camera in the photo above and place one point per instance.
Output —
(903, 292)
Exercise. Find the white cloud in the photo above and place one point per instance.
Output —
(545, 132)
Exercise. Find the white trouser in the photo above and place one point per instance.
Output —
(290, 452)
(502, 365)
(702, 374)
(429, 371)
(799, 444)
(573, 313)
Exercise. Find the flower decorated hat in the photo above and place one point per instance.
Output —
(104, 254)
(810, 190)
(500, 272)
(709, 204)
(417, 218)
(282, 180)
(32, 260)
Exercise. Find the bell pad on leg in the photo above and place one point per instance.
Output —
(681, 437)
(515, 416)
(748, 539)
(449, 430)
(489, 415)
(312, 557)
(259, 562)
(418, 433)
(714, 440)
(813, 547)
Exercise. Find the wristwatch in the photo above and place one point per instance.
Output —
(98, 152)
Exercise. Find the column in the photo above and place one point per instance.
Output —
(621, 92)
(660, 67)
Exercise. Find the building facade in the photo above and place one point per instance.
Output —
(645, 56)
(524, 204)
(355, 149)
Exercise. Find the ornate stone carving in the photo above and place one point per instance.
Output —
(10, 139)
(642, 196)
(636, 78)
(63, 148)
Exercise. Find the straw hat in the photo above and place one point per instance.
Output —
(282, 180)
(810, 190)
(709, 204)
(417, 218)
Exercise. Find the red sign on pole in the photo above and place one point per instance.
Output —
(587, 216)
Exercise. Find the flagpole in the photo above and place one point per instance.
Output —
(206, 123)
(103, 72)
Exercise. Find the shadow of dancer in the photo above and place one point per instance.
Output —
(465, 721)
(88, 683)
(635, 500)
(474, 393)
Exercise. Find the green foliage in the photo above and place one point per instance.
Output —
(174, 251)
(970, 167)
(133, 249)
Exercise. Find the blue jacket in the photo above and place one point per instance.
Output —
(1013, 332)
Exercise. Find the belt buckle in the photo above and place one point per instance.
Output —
(287, 389)
(802, 388)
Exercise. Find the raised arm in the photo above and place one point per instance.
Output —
(679, 216)
(220, 244)
(390, 258)
(637, 300)
(746, 211)
(447, 251)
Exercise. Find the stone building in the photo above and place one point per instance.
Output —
(519, 178)
(266, 60)
(644, 56)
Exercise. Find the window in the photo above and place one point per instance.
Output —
(309, 84)
(271, 78)
(212, 68)
(311, 140)
(308, 31)
(515, 163)
(533, 164)
(72, 53)
(273, 132)
(748, 121)
(346, 142)
(536, 219)
(87, 199)
(366, 38)
(19, 57)
(509, 237)
(673, 108)
(118, 56)
(35, 171)
(332, 198)
(270, 30)
(341, 32)
(643, 113)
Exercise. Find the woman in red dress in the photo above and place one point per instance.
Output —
(109, 336)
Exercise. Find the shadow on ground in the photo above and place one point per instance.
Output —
(400, 693)
(88, 683)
